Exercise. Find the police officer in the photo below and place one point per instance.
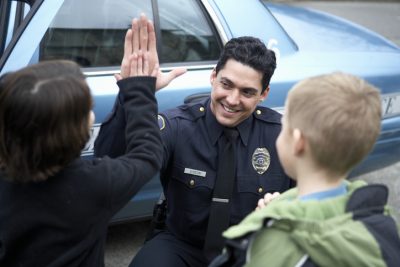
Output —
(191, 137)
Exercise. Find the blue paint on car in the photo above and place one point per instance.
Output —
(306, 43)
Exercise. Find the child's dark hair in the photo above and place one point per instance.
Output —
(44, 119)
(252, 52)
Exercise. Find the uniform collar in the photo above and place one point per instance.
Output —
(244, 129)
(215, 129)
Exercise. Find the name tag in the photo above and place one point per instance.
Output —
(195, 172)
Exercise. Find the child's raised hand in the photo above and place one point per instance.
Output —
(268, 197)
(141, 37)
(139, 65)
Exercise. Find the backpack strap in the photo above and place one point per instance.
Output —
(367, 204)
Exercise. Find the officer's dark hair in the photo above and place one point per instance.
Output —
(44, 119)
(252, 52)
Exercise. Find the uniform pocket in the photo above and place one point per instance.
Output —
(204, 178)
(191, 192)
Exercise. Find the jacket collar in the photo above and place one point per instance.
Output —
(215, 128)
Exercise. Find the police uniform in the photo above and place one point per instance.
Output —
(190, 134)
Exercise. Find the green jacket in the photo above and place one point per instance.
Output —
(349, 230)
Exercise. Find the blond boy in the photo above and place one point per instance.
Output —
(331, 123)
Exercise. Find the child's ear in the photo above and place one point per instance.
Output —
(298, 141)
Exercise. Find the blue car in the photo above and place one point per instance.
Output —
(191, 34)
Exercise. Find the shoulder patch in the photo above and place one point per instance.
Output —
(161, 122)
(187, 112)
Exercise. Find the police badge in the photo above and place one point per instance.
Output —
(261, 160)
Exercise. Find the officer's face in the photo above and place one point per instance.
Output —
(236, 91)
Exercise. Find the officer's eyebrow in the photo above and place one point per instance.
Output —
(228, 81)
(249, 90)
(232, 84)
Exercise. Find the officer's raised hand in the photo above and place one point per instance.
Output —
(141, 37)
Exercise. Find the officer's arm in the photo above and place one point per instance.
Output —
(168, 131)
(111, 138)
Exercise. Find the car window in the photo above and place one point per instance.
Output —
(185, 33)
(91, 32)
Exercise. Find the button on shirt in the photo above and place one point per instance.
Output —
(190, 134)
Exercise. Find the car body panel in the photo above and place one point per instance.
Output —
(306, 43)
(315, 30)
(258, 22)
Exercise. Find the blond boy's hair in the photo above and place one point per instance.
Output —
(339, 115)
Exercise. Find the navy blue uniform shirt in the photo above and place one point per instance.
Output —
(190, 134)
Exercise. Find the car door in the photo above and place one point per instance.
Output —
(91, 33)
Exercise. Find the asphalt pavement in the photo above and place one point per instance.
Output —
(123, 241)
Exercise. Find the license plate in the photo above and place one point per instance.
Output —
(390, 105)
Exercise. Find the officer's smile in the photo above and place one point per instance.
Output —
(236, 91)
(229, 110)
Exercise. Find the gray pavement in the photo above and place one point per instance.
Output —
(389, 176)
(123, 241)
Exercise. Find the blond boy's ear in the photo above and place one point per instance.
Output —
(298, 141)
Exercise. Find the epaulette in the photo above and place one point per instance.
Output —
(267, 115)
(191, 111)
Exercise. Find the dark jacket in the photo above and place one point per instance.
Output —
(190, 166)
(63, 220)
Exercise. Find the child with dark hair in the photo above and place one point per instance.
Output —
(46, 113)
(54, 206)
